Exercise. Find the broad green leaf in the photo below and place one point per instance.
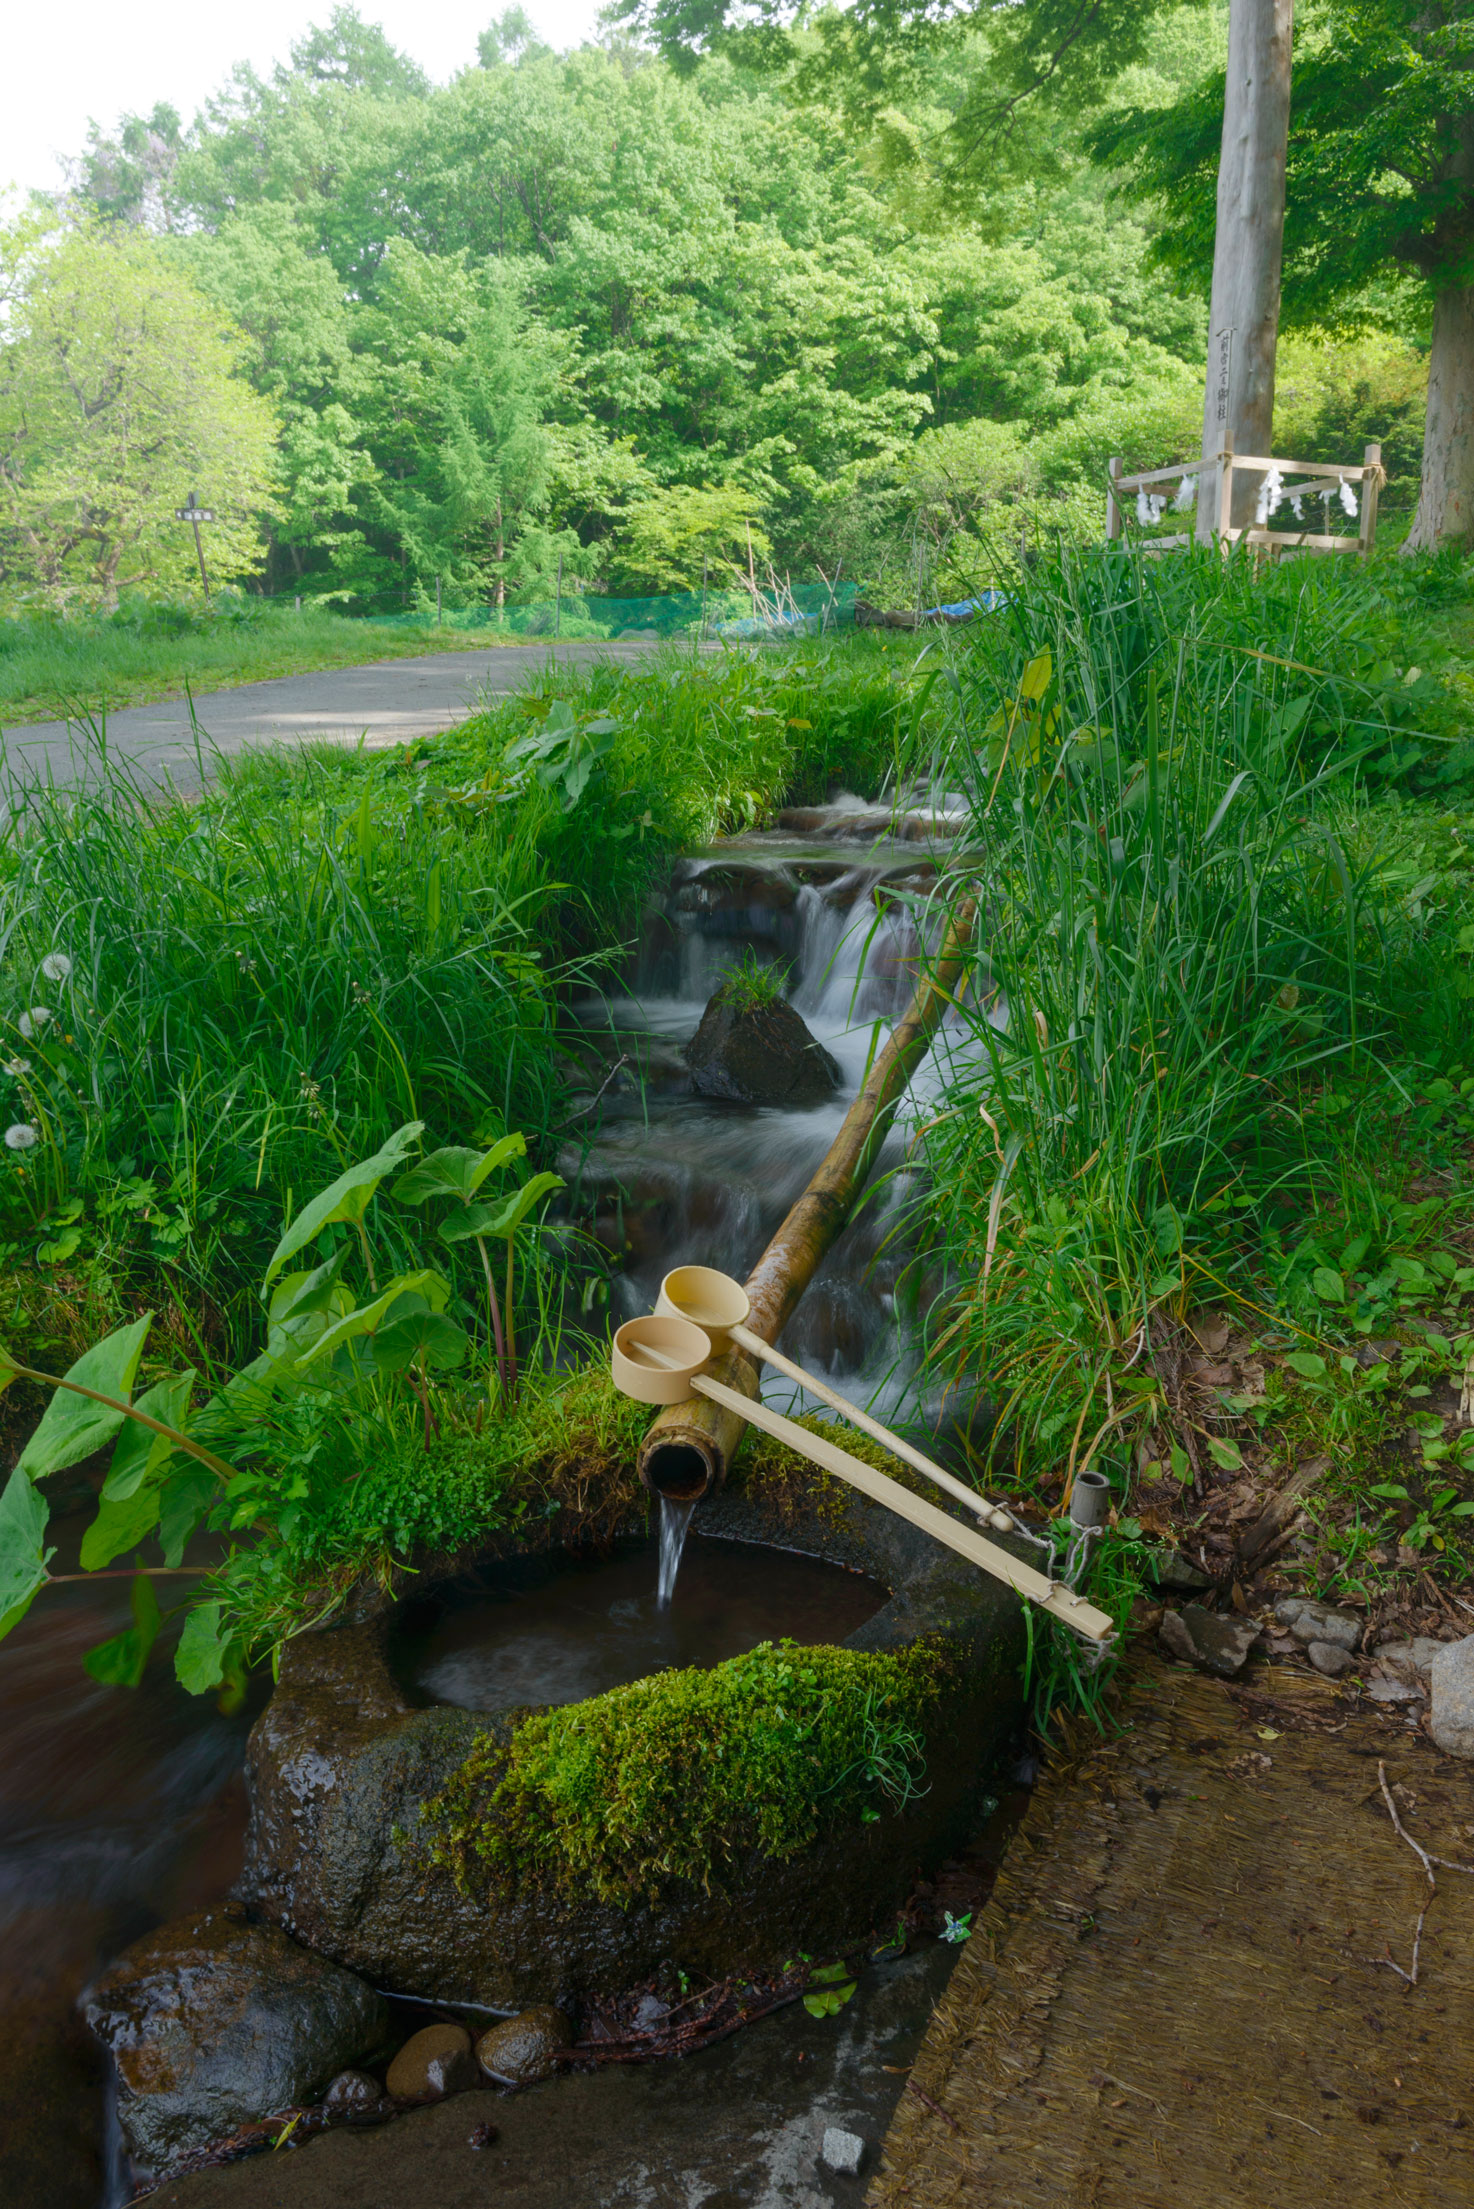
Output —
(509, 1216)
(1392, 1490)
(73, 1426)
(300, 1293)
(139, 1452)
(427, 1335)
(119, 1526)
(120, 1662)
(9, 1368)
(199, 1661)
(186, 1496)
(366, 1318)
(23, 1516)
(1306, 1364)
(1328, 1285)
(457, 1172)
(347, 1198)
(1225, 1453)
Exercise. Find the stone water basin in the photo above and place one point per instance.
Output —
(351, 1745)
(556, 1629)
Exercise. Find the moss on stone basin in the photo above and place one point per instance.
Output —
(344, 1760)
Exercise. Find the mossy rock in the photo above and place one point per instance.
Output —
(344, 1759)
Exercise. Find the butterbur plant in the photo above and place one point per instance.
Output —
(240, 1461)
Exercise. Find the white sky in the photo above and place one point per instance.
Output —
(76, 60)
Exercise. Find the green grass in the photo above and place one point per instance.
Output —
(1225, 850)
(49, 669)
(246, 990)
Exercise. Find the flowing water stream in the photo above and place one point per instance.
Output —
(674, 1178)
(120, 1808)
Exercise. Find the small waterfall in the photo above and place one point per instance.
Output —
(675, 1518)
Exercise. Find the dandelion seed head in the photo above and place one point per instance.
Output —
(22, 1136)
(15, 1067)
(56, 967)
(31, 1023)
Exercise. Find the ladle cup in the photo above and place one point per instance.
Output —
(719, 1307)
(661, 1360)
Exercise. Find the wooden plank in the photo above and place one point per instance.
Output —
(1330, 468)
(1296, 541)
(1173, 474)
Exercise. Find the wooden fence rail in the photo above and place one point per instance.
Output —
(1218, 474)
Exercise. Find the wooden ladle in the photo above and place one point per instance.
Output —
(719, 1306)
(660, 1361)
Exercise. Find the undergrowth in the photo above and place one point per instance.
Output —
(687, 1775)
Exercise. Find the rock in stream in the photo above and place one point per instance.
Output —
(213, 2022)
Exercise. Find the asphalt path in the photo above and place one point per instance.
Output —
(387, 702)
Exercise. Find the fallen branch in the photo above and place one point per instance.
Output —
(1389, 1962)
(935, 2107)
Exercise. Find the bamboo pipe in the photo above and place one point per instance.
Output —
(648, 1352)
(690, 1445)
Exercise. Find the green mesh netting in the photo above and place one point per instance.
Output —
(807, 609)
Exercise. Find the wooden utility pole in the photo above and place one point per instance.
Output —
(1243, 319)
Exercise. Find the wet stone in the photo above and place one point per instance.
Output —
(214, 2022)
(522, 2049)
(1451, 1709)
(1215, 1641)
(1328, 1657)
(437, 2061)
(761, 1057)
(351, 2090)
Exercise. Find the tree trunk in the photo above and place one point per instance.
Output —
(1445, 513)
(1243, 320)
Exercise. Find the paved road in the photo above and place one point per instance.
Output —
(389, 702)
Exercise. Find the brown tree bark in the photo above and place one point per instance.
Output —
(1446, 499)
(689, 1447)
(1243, 318)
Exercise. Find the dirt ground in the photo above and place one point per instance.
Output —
(1182, 1989)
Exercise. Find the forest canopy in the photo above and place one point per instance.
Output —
(619, 316)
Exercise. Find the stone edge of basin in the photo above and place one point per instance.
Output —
(341, 1759)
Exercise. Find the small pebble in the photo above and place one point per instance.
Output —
(433, 2063)
(351, 2090)
(843, 2152)
(1320, 1622)
(484, 2136)
(523, 2049)
(1327, 1657)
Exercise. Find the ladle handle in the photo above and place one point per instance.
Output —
(1051, 1595)
(987, 1512)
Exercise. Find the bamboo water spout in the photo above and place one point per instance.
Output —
(657, 1360)
(690, 1445)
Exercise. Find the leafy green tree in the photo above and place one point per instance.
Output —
(1380, 179)
(289, 303)
(456, 382)
(120, 392)
(674, 538)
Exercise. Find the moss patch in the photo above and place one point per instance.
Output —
(686, 1774)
